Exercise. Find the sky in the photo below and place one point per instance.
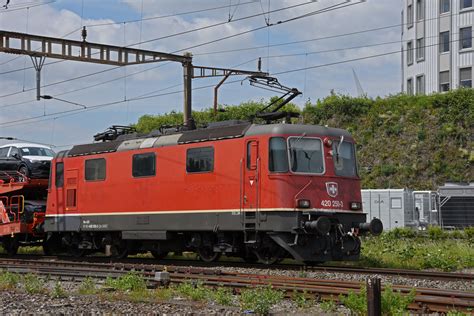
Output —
(316, 53)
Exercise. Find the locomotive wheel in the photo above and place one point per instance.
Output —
(269, 253)
(51, 245)
(119, 251)
(207, 254)
(11, 245)
(157, 254)
(76, 252)
(249, 256)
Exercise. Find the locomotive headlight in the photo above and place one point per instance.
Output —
(302, 203)
(356, 205)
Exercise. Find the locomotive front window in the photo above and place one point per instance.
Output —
(344, 159)
(306, 155)
(277, 156)
(200, 159)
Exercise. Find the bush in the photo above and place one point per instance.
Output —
(58, 291)
(260, 300)
(469, 232)
(33, 284)
(328, 306)
(393, 302)
(87, 286)
(164, 294)
(355, 302)
(436, 232)
(301, 299)
(193, 290)
(9, 280)
(128, 282)
(223, 296)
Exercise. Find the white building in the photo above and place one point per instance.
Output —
(437, 49)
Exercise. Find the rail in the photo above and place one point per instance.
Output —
(426, 299)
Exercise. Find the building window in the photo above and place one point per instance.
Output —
(59, 175)
(410, 86)
(466, 37)
(444, 81)
(410, 53)
(466, 4)
(465, 77)
(420, 10)
(420, 49)
(444, 42)
(278, 155)
(95, 169)
(144, 165)
(444, 6)
(200, 159)
(420, 84)
(409, 16)
(402, 23)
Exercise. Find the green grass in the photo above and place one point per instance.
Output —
(393, 302)
(58, 291)
(9, 280)
(260, 300)
(128, 282)
(403, 249)
(87, 286)
(33, 284)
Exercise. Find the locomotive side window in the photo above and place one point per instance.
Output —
(252, 155)
(59, 175)
(277, 156)
(144, 165)
(95, 169)
(200, 159)
(344, 159)
(306, 155)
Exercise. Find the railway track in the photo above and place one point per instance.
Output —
(426, 299)
(159, 264)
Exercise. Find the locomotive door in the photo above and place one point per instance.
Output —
(71, 190)
(251, 185)
(59, 183)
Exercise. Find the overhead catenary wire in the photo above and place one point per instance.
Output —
(243, 63)
(98, 106)
(327, 9)
(208, 53)
(134, 21)
(30, 5)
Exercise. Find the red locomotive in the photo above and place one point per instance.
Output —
(256, 191)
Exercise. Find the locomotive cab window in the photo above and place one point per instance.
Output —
(144, 165)
(306, 155)
(344, 159)
(95, 169)
(200, 159)
(277, 155)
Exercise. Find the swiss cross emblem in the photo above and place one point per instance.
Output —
(331, 188)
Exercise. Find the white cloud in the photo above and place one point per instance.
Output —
(378, 76)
